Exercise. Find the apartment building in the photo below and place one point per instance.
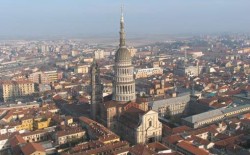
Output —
(212, 116)
(82, 69)
(45, 77)
(15, 89)
(69, 135)
(147, 72)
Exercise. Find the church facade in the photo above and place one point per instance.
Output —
(120, 112)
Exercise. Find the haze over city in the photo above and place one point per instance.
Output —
(132, 77)
(84, 18)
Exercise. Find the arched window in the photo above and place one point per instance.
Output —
(150, 123)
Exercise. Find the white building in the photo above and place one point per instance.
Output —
(4, 142)
(150, 128)
(147, 72)
(99, 54)
(144, 128)
(132, 51)
(83, 69)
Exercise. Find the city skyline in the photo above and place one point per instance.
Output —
(162, 77)
(87, 18)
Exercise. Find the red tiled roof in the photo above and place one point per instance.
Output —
(69, 132)
(173, 139)
(141, 149)
(157, 146)
(180, 129)
(31, 148)
(228, 141)
(247, 116)
(192, 149)
(17, 139)
(203, 130)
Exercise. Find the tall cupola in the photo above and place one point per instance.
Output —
(123, 82)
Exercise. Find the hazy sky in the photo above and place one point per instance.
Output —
(101, 17)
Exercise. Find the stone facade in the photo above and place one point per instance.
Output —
(174, 105)
(116, 110)
(124, 82)
(96, 91)
(147, 72)
(16, 89)
(137, 126)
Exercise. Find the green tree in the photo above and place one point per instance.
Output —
(168, 113)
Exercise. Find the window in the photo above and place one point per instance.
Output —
(150, 123)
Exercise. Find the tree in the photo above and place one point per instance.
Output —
(168, 113)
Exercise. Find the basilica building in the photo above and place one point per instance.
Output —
(121, 112)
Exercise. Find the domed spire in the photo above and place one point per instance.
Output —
(122, 53)
(123, 82)
(122, 32)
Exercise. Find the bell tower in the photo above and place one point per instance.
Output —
(96, 91)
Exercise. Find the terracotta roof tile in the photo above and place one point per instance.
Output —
(192, 149)
(31, 148)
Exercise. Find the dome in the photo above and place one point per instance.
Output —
(122, 54)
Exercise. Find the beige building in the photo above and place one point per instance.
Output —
(88, 59)
(53, 75)
(244, 50)
(158, 89)
(156, 64)
(15, 89)
(147, 72)
(150, 128)
(35, 136)
(99, 54)
(196, 54)
(66, 136)
(44, 77)
(137, 126)
(64, 56)
(83, 69)
(39, 77)
(132, 51)
(74, 53)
